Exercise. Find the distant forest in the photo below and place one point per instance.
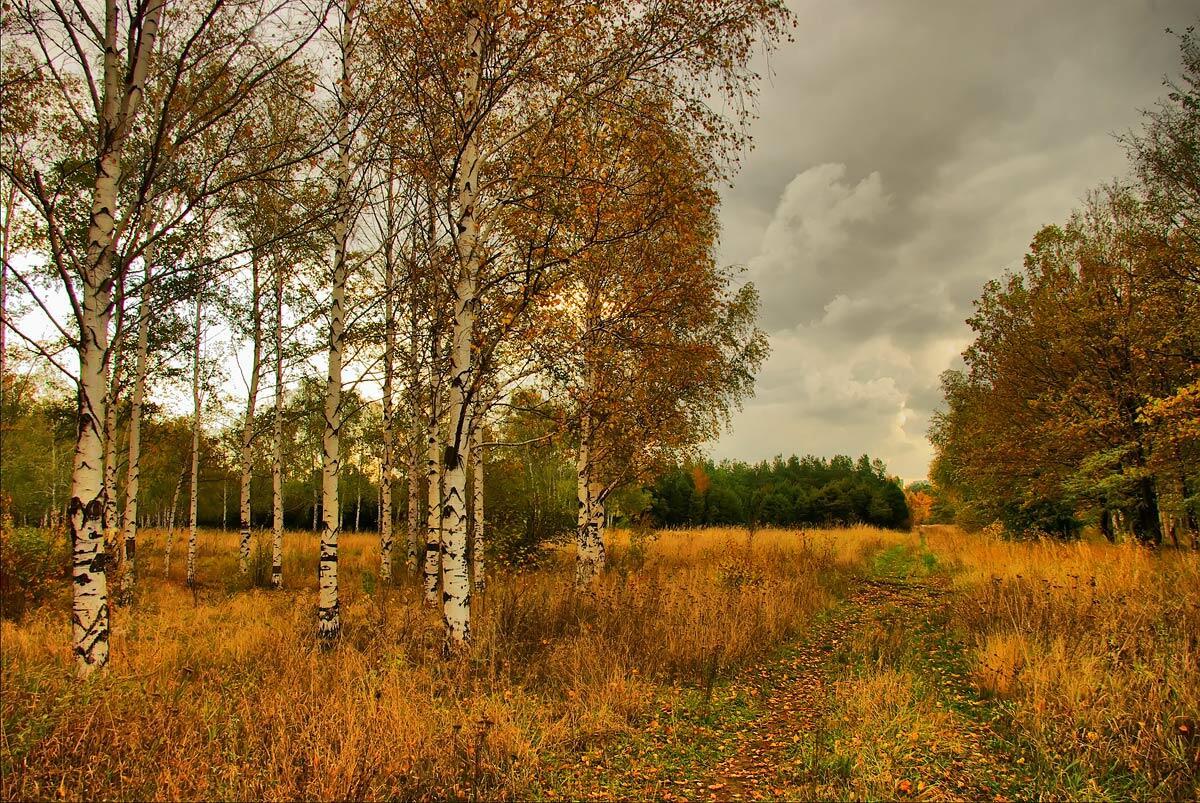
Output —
(799, 491)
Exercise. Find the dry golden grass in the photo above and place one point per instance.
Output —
(221, 694)
(1091, 652)
(1096, 648)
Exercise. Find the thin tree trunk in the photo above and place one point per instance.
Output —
(456, 581)
(110, 418)
(589, 533)
(389, 358)
(9, 206)
(477, 540)
(277, 447)
(248, 423)
(328, 610)
(194, 497)
(171, 522)
(133, 464)
(415, 536)
(433, 479)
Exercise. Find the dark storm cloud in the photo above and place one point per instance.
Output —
(906, 152)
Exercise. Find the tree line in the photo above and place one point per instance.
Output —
(797, 492)
(445, 209)
(1080, 400)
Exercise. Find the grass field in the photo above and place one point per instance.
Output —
(893, 659)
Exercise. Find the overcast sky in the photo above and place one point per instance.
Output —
(905, 152)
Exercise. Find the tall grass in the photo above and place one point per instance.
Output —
(1095, 648)
(218, 692)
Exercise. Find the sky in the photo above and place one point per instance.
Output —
(905, 152)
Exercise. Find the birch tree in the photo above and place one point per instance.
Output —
(247, 444)
(586, 54)
(194, 497)
(328, 608)
(277, 440)
(181, 115)
(115, 90)
(478, 577)
(134, 458)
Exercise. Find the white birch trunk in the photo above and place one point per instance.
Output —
(89, 610)
(389, 358)
(414, 503)
(133, 463)
(121, 99)
(277, 446)
(478, 541)
(111, 524)
(415, 535)
(328, 608)
(456, 581)
(171, 523)
(589, 533)
(433, 479)
(248, 424)
(194, 495)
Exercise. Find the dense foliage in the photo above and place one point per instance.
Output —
(1081, 395)
(808, 491)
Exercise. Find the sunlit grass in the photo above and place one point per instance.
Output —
(220, 692)
(1089, 650)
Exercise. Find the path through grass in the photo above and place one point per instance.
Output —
(874, 702)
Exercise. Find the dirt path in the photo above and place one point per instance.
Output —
(800, 748)
(801, 687)
(875, 701)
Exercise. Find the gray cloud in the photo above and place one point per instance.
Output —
(906, 152)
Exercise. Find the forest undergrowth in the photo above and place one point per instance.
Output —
(896, 664)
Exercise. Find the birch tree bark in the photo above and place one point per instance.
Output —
(414, 449)
(477, 536)
(122, 95)
(414, 501)
(134, 459)
(328, 609)
(86, 509)
(171, 523)
(113, 371)
(433, 480)
(389, 364)
(277, 446)
(456, 582)
(248, 423)
(194, 496)
(589, 533)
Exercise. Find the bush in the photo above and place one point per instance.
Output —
(33, 562)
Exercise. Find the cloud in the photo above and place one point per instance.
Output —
(817, 241)
(905, 153)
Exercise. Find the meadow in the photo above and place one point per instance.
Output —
(941, 657)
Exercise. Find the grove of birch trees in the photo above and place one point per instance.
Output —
(450, 209)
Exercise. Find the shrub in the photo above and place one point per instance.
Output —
(33, 562)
